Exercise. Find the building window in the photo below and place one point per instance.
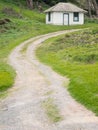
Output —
(76, 16)
(49, 16)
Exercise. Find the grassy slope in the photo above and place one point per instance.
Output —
(31, 24)
(12, 34)
(76, 56)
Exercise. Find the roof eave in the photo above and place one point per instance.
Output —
(66, 11)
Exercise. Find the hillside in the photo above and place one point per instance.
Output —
(20, 25)
(23, 25)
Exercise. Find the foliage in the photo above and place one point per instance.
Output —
(90, 5)
(75, 55)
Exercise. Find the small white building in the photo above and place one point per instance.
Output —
(65, 14)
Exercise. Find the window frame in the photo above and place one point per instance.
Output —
(76, 15)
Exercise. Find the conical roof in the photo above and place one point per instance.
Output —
(65, 7)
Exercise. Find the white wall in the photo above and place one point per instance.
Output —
(58, 17)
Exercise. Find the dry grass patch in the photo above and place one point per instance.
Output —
(52, 110)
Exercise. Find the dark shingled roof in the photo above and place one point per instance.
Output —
(65, 7)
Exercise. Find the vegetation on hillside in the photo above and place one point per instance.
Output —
(17, 24)
(21, 25)
(90, 5)
(75, 55)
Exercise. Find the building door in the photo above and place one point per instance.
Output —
(66, 19)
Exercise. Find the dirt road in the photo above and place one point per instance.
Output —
(23, 110)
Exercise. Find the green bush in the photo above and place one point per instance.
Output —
(86, 58)
(93, 20)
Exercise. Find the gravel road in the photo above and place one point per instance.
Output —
(22, 109)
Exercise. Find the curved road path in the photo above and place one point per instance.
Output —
(23, 110)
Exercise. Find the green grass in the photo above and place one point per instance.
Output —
(75, 55)
(7, 76)
(52, 110)
(32, 23)
(12, 34)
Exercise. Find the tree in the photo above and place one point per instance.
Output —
(90, 5)
(95, 6)
(89, 8)
(30, 4)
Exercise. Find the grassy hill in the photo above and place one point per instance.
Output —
(23, 25)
